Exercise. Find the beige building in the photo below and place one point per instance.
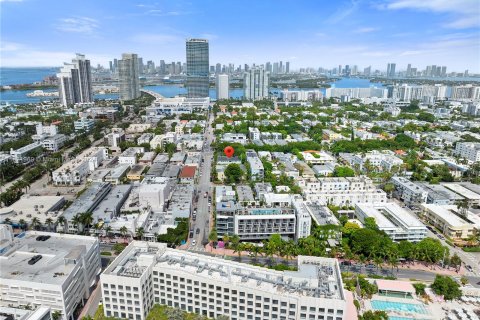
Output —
(449, 220)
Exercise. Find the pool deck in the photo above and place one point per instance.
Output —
(431, 314)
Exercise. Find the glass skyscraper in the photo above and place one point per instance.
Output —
(75, 81)
(197, 68)
(129, 84)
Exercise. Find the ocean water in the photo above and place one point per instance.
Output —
(24, 75)
(29, 75)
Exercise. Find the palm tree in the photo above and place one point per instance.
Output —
(463, 206)
(61, 220)
(22, 224)
(140, 232)
(76, 222)
(108, 231)
(378, 262)
(49, 222)
(7, 221)
(87, 220)
(35, 223)
(123, 230)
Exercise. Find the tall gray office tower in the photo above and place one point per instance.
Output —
(409, 70)
(140, 65)
(287, 67)
(255, 84)
(110, 66)
(367, 71)
(115, 65)
(197, 68)
(280, 67)
(339, 69)
(162, 67)
(275, 68)
(128, 76)
(391, 70)
(268, 67)
(444, 71)
(75, 81)
(218, 68)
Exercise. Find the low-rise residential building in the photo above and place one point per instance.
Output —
(129, 156)
(74, 171)
(317, 157)
(143, 271)
(114, 138)
(396, 222)
(342, 191)
(23, 155)
(84, 124)
(378, 161)
(187, 175)
(256, 165)
(48, 269)
(468, 150)
(145, 138)
(408, 191)
(453, 223)
(234, 138)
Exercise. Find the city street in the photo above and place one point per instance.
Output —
(204, 185)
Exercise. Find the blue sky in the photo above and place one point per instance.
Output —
(307, 33)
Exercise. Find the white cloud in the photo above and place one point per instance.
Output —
(9, 46)
(365, 30)
(465, 13)
(156, 38)
(209, 36)
(343, 12)
(78, 25)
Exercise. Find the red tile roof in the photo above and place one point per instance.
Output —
(188, 172)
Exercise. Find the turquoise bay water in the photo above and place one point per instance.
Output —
(398, 306)
(29, 75)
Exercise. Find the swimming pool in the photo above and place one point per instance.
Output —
(398, 306)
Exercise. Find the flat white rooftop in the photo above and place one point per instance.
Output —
(316, 277)
(447, 213)
(464, 192)
(384, 212)
(52, 268)
(29, 207)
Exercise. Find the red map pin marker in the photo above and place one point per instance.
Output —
(229, 151)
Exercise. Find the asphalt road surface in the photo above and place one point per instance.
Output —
(203, 186)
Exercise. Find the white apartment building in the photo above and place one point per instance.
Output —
(48, 269)
(301, 95)
(342, 191)
(466, 92)
(397, 222)
(54, 143)
(115, 137)
(75, 170)
(408, 191)
(222, 86)
(145, 274)
(256, 165)
(253, 133)
(234, 137)
(84, 124)
(129, 156)
(155, 195)
(174, 106)
(468, 150)
(21, 155)
(356, 93)
(379, 160)
(256, 83)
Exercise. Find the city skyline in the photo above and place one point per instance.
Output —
(348, 32)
